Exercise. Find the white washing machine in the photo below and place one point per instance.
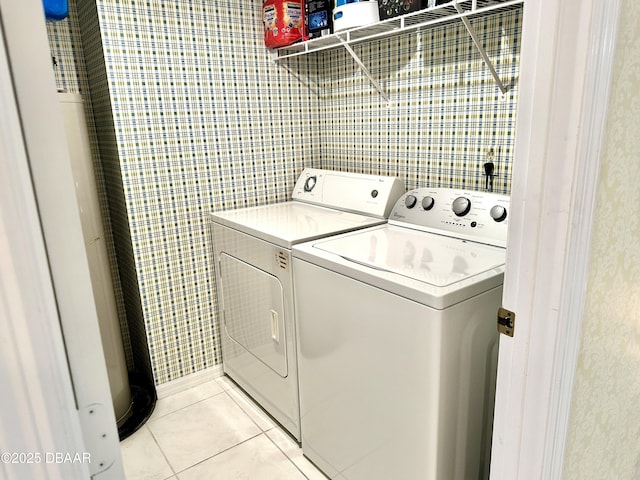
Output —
(252, 248)
(398, 340)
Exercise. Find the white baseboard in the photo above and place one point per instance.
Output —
(193, 379)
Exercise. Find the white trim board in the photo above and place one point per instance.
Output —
(565, 74)
(589, 149)
(38, 407)
(47, 154)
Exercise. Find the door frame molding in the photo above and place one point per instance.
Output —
(51, 185)
(567, 58)
(37, 401)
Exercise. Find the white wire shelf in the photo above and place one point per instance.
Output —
(456, 10)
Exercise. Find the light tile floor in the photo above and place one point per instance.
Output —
(213, 431)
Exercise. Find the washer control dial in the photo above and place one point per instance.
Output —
(410, 201)
(461, 206)
(498, 213)
(428, 202)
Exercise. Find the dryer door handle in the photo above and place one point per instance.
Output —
(275, 330)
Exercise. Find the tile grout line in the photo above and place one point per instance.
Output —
(260, 432)
(272, 428)
(221, 452)
(295, 465)
(173, 470)
(239, 405)
(238, 391)
(186, 406)
(162, 452)
(275, 427)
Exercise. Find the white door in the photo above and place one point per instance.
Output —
(564, 80)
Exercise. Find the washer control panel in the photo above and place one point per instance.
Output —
(477, 216)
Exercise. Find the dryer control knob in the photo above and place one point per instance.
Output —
(310, 183)
(498, 213)
(427, 203)
(410, 201)
(461, 206)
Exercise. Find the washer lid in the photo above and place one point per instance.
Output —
(434, 259)
(285, 224)
(431, 269)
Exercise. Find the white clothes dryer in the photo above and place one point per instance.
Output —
(398, 340)
(254, 281)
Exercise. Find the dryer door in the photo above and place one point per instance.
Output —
(253, 303)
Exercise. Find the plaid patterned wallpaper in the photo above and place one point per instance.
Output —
(445, 110)
(202, 119)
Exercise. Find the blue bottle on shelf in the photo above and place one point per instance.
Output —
(55, 9)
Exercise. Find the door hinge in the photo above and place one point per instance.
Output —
(506, 321)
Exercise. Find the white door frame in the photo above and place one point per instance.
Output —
(30, 90)
(565, 71)
(39, 416)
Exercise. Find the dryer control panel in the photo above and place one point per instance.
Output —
(476, 216)
(362, 193)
